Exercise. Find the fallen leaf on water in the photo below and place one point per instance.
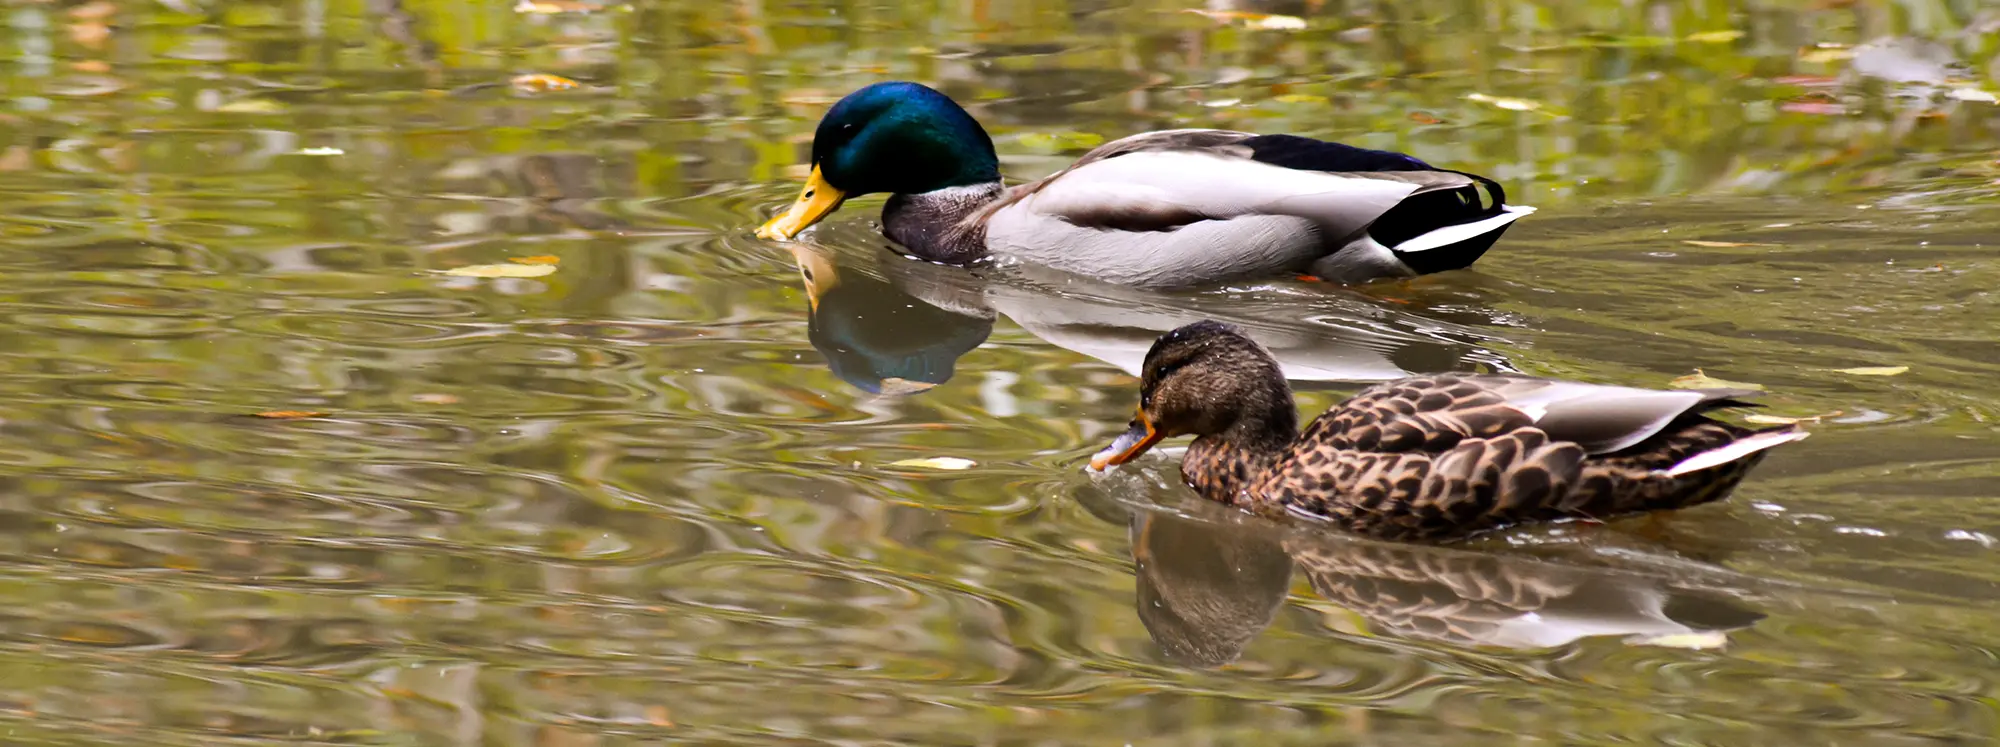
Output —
(1721, 244)
(16, 158)
(539, 259)
(1708, 639)
(950, 463)
(1714, 37)
(542, 83)
(657, 715)
(1872, 370)
(1258, 21)
(1826, 53)
(509, 270)
(551, 7)
(1425, 118)
(251, 106)
(1701, 380)
(290, 414)
(1505, 102)
(91, 66)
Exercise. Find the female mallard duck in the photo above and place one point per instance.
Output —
(1157, 209)
(1434, 457)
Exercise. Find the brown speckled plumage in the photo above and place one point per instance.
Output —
(1434, 457)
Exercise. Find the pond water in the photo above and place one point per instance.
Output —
(650, 496)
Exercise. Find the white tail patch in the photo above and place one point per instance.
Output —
(1733, 452)
(1464, 231)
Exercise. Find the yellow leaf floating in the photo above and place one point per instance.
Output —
(543, 83)
(291, 414)
(551, 7)
(251, 106)
(945, 463)
(1505, 102)
(1873, 370)
(1700, 380)
(1826, 53)
(1715, 37)
(1721, 244)
(539, 259)
(1705, 640)
(509, 270)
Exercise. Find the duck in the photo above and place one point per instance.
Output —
(1435, 457)
(1164, 209)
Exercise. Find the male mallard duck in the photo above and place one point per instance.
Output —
(1432, 457)
(1157, 209)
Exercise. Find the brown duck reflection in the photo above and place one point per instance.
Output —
(1210, 582)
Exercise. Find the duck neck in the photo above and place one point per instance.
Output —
(1223, 467)
(934, 225)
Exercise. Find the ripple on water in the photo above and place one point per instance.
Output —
(337, 436)
(376, 331)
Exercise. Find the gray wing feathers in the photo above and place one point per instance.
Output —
(1604, 419)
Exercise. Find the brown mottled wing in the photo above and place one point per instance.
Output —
(1481, 483)
(1452, 455)
(1428, 457)
(1429, 414)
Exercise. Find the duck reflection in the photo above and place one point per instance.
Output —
(878, 338)
(1210, 581)
(898, 327)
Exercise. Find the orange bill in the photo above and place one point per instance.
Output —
(818, 200)
(1129, 445)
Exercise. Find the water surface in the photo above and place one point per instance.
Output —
(649, 497)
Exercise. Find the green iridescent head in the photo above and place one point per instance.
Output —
(896, 137)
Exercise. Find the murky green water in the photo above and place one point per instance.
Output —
(648, 497)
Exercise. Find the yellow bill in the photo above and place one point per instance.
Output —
(818, 200)
(819, 273)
